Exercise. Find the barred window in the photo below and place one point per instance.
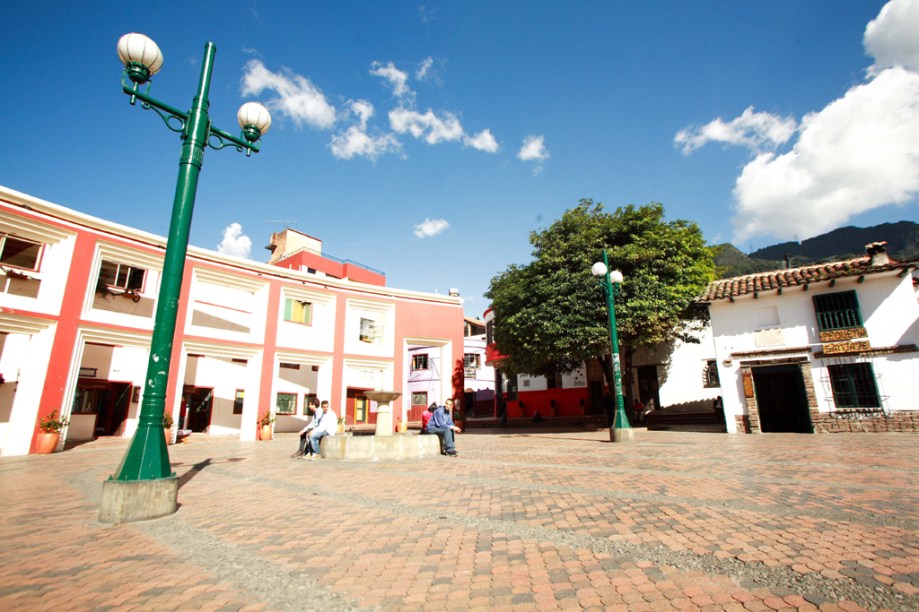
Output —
(420, 398)
(710, 375)
(854, 386)
(420, 362)
(837, 310)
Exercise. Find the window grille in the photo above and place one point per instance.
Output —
(837, 310)
(420, 362)
(854, 385)
(710, 375)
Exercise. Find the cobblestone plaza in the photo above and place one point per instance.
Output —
(522, 520)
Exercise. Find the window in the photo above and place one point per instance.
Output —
(472, 360)
(287, 403)
(238, 401)
(710, 375)
(289, 366)
(369, 331)
(837, 310)
(420, 398)
(298, 311)
(121, 276)
(19, 253)
(420, 362)
(854, 386)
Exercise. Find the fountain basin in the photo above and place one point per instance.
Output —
(379, 448)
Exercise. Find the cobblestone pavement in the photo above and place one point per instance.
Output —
(520, 521)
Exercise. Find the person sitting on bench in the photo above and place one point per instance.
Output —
(441, 423)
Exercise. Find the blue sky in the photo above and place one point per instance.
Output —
(428, 139)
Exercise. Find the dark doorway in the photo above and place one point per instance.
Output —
(649, 387)
(595, 397)
(109, 400)
(196, 408)
(781, 399)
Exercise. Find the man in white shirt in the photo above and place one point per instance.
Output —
(313, 409)
(326, 425)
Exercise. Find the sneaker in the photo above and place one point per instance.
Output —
(314, 457)
(452, 454)
(306, 456)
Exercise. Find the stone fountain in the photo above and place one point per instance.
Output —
(384, 444)
(384, 410)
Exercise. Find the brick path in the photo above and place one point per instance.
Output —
(521, 521)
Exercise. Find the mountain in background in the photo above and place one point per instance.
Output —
(844, 243)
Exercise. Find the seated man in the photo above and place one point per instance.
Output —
(313, 409)
(441, 423)
(327, 425)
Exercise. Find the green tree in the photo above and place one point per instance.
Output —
(550, 314)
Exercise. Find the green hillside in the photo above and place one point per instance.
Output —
(902, 240)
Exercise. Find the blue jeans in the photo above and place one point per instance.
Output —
(446, 438)
(315, 439)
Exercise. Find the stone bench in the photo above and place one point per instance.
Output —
(409, 445)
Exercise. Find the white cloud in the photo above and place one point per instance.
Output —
(430, 227)
(892, 38)
(355, 142)
(758, 131)
(533, 149)
(859, 153)
(424, 68)
(364, 111)
(235, 242)
(397, 79)
(483, 141)
(430, 127)
(297, 97)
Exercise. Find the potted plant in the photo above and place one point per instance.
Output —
(50, 433)
(265, 423)
(167, 427)
(341, 425)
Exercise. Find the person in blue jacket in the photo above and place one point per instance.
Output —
(441, 423)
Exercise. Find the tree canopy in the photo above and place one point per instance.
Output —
(550, 314)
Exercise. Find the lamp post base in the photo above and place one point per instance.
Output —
(127, 501)
(621, 434)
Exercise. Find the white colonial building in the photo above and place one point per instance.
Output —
(821, 348)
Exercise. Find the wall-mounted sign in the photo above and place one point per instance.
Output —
(838, 348)
(837, 335)
(748, 384)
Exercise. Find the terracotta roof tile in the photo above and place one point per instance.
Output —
(727, 288)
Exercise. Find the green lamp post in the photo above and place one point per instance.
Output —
(144, 485)
(621, 430)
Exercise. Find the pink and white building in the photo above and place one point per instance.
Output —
(77, 299)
